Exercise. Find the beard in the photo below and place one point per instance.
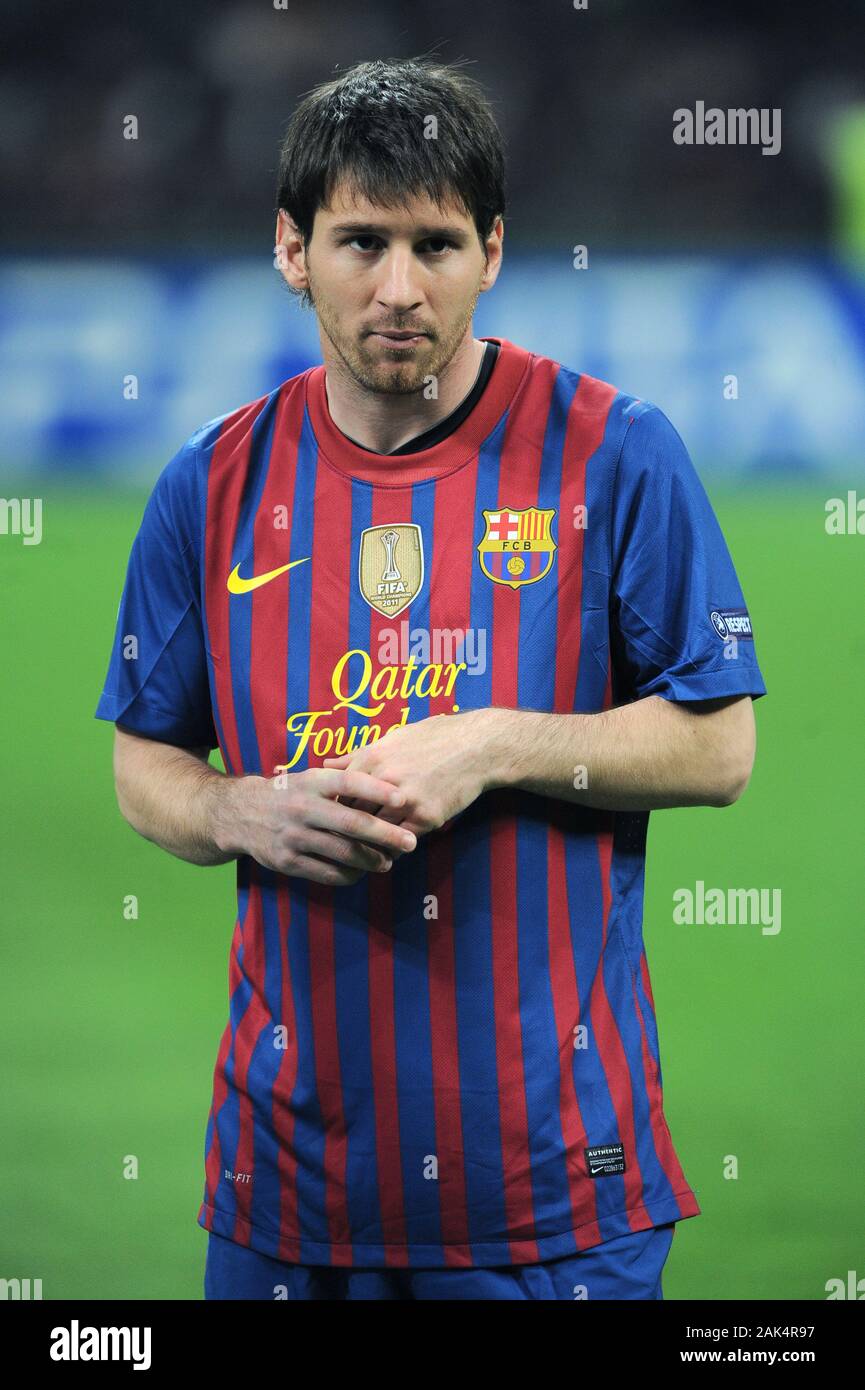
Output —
(392, 372)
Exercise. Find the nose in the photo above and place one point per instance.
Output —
(398, 291)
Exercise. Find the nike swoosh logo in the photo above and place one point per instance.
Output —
(238, 585)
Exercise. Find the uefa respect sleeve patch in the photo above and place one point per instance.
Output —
(732, 622)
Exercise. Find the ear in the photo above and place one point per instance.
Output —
(289, 255)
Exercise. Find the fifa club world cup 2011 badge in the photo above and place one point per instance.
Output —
(390, 566)
(517, 546)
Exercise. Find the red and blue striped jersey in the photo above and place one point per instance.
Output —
(455, 1063)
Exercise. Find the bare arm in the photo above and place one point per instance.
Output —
(173, 797)
(642, 756)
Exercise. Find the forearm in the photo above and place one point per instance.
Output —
(174, 798)
(296, 827)
(643, 756)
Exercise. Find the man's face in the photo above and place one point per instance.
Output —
(373, 271)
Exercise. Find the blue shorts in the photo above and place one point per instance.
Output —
(627, 1267)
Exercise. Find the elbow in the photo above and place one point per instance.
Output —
(725, 758)
(732, 778)
(124, 804)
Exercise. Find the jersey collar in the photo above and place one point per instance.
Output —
(401, 470)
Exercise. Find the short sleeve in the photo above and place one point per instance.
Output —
(157, 681)
(680, 625)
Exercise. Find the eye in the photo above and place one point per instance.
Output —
(435, 246)
(349, 241)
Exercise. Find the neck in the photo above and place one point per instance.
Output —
(383, 421)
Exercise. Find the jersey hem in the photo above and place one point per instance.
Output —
(115, 709)
(705, 685)
(479, 1254)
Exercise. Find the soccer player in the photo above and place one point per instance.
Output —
(458, 618)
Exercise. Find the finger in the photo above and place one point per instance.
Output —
(363, 786)
(359, 785)
(324, 871)
(393, 814)
(372, 807)
(347, 853)
(369, 788)
(359, 825)
(412, 826)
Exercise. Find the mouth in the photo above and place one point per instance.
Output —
(399, 339)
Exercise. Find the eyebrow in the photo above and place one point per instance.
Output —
(377, 229)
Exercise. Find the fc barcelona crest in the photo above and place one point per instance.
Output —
(517, 546)
(390, 566)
